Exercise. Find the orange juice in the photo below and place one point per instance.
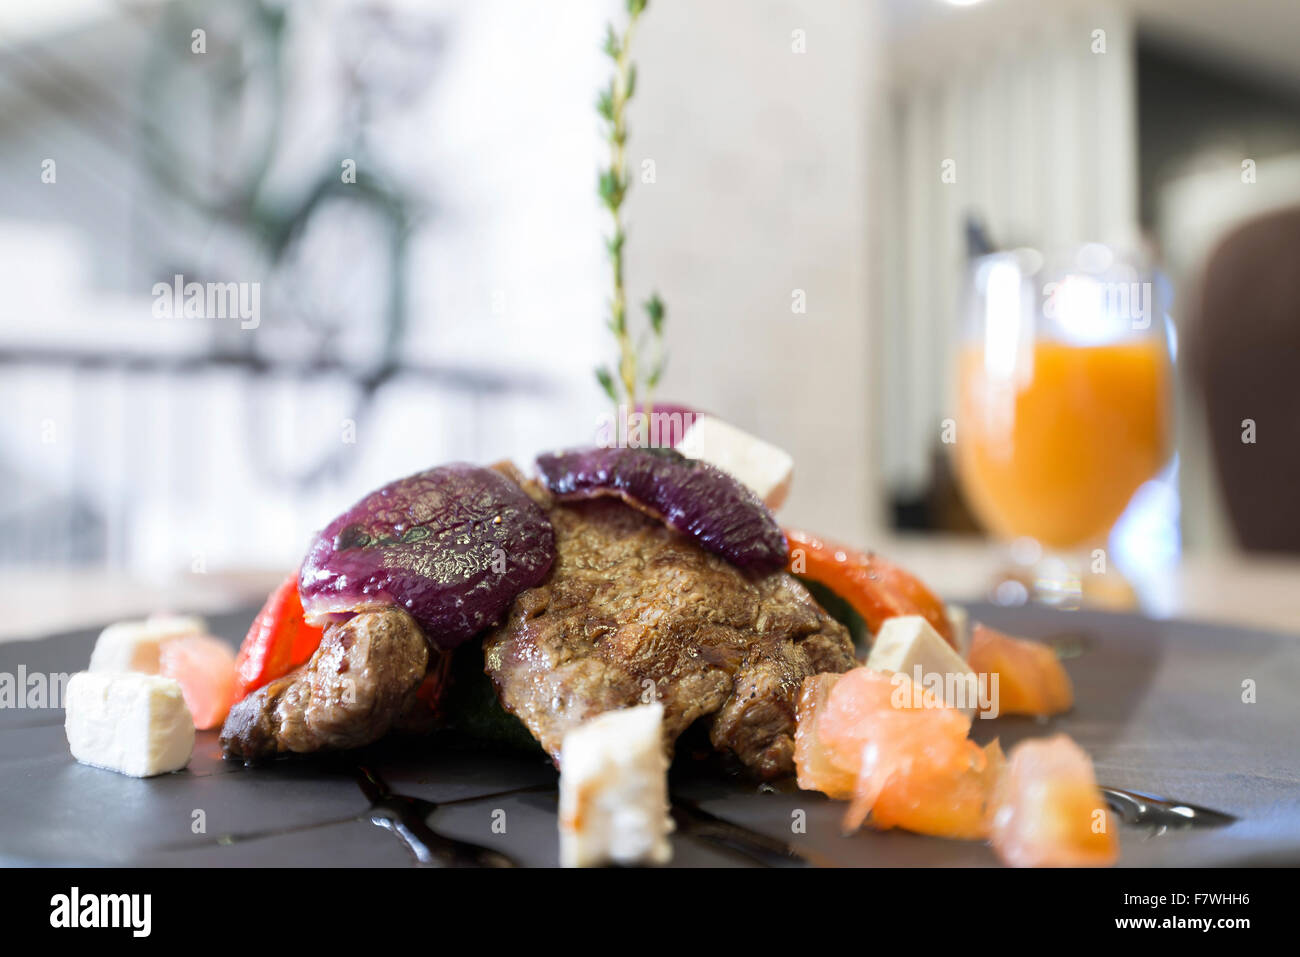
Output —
(1055, 447)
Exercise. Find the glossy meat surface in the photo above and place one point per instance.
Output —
(359, 685)
(633, 611)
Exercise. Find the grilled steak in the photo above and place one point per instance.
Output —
(630, 611)
(360, 683)
(633, 610)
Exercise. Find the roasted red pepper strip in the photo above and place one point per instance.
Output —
(278, 641)
(877, 589)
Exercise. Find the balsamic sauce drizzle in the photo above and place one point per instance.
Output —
(1163, 814)
(693, 821)
(407, 818)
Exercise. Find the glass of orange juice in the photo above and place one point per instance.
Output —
(1063, 396)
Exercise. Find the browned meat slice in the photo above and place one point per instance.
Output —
(361, 682)
(632, 609)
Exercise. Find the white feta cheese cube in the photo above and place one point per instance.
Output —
(133, 723)
(763, 467)
(908, 643)
(614, 790)
(134, 645)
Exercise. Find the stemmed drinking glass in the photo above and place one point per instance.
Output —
(1063, 394)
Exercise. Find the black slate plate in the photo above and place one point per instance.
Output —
(1159, 707)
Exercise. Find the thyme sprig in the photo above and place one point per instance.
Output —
(632, 370)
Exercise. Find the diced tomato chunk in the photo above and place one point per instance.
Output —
(897, 751)
(903, 759)
(1049, 812)
(205, 669)
(1031, 679)
(950, 795)
(812, 759)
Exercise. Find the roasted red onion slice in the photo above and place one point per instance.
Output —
(453, 546)
(693, 497)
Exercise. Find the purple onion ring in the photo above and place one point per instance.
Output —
(693, 497)
(452, 545)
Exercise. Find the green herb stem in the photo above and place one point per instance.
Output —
(629, 371)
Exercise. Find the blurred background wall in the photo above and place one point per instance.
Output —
(444, 304)
(447, 302)
(760, 119)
